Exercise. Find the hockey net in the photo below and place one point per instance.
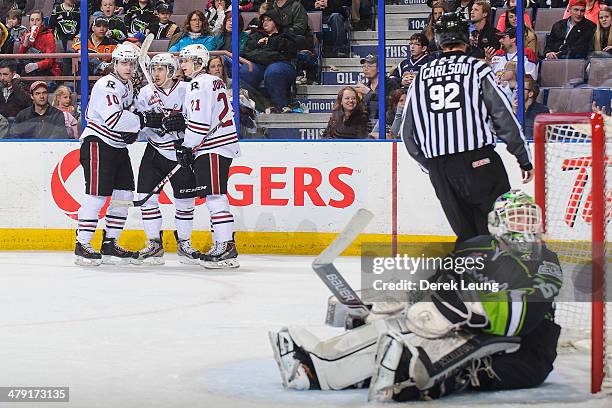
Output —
(572, 166)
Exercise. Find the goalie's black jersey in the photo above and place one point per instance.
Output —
(526, 288)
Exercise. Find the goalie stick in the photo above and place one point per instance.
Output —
(324, 267)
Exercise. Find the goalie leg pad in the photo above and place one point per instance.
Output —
(294, 373)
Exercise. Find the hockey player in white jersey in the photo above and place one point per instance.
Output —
(165, 95)
(209, 146)
(111, 126)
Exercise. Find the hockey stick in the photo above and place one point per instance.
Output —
(325, 269)
(160, 185)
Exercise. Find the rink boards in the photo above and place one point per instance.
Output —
(287, 197)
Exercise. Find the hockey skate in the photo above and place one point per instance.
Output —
(153, 253)
(222, 255)
(187, 254)
(113, 254)
(294, 373)
(86, 255)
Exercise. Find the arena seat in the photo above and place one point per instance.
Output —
(546, 17)
(159, 45)
(561, 100)
(559, 72)
(599, 71)
(183, 7)
(542, 36)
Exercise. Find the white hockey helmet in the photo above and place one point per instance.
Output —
(125, 52)
(196, 53)
(165, 60)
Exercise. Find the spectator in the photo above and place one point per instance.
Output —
(254, 23)
(348, 120)
(508, 80)
(483, 37)
(572, 37)
(369, 88)
(397, 100)
(41, 120)
(195, 31)
(14, 97)
(140, 15)
(294, 18)
(464, 7)
(532, 107)
(39, 40)
(98, 43)
(591, 11)
(16, 29)
(62, 100)
(509, 52)
(164, 28)
(271, 50)
(333, 17)
(509, 16)
(96, 8)
(440, 7)
(223, 41)
(5, 38)
(216, 15)
(530, 39)
(602, 40)
(24, 6)
(4, 127)
(65, 22)
(407, 70)
(117, 29)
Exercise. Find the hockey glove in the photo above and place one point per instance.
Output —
(129, 138)
(151, 119)
(175, 122)
(184, 154)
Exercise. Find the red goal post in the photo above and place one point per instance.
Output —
(579, 140)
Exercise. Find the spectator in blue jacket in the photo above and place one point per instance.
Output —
(195, 31)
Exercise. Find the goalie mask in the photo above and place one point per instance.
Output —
(516, 221)
(162, 68)
(193, 59)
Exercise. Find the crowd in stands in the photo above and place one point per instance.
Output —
(276, 47)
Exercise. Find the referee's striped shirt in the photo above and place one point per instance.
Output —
(454, 105)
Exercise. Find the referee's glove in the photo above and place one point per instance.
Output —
(184, 154)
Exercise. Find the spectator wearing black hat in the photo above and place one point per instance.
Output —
(483, 38)
(509, 52)
(164, 28)
(41, 120)
(406, 70)
(98, 43)
(369, 88)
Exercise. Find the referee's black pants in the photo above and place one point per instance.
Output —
(467, 184)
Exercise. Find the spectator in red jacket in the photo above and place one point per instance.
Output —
(39, 40)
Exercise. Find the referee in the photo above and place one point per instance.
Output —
(454, 112)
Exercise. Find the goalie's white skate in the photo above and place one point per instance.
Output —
(293, 372)
(388, 354)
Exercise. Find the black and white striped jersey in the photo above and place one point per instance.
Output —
(454, 105)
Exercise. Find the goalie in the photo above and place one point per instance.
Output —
(492, 341)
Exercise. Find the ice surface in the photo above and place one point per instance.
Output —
(180, 336)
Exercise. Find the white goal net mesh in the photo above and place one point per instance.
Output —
(568, 209)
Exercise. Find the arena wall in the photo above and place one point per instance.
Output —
(287, 197)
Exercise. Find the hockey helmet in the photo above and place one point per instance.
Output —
(196, 53)
(451, 28)
(125, 52)
(164, 60)
(516, 221)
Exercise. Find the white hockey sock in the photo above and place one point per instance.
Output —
(183, 216)
(151, 217)
(221, 220)
(116, 217)
(88, 217)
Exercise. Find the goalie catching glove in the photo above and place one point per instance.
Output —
(184, 154)
(175, 122)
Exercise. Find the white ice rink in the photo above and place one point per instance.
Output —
(180, 336)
